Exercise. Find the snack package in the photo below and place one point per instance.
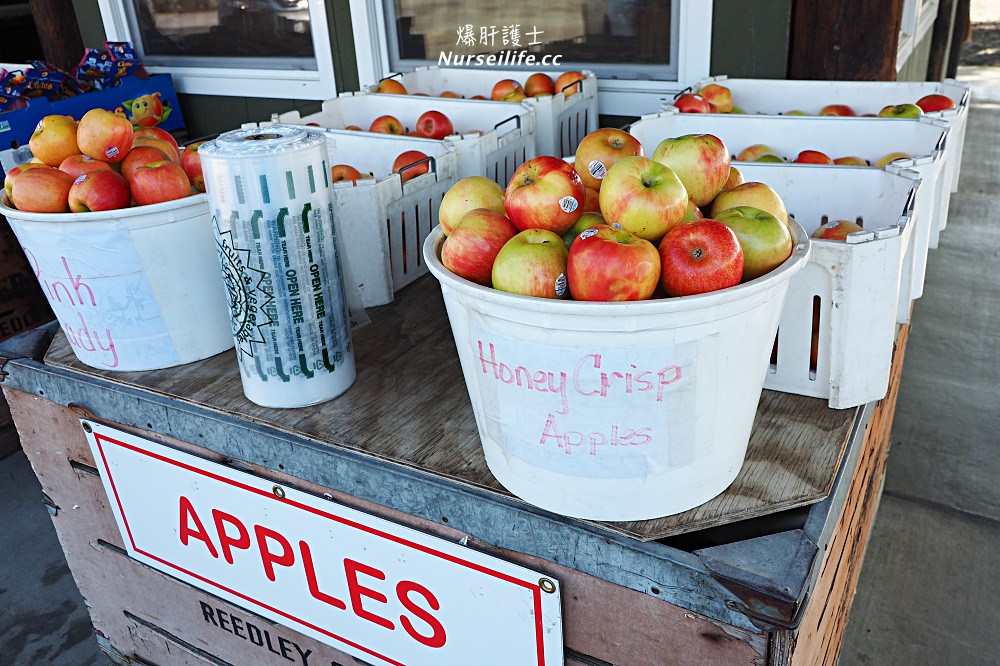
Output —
(126, 59)
(97, 70)
(42, 80)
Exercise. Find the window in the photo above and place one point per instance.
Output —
(917, 21)
(251, 48)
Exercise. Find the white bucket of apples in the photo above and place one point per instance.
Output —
(615, 364)
(120, 241)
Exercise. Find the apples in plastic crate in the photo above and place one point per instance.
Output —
(492, 139)
(925, 140)
(561, 121)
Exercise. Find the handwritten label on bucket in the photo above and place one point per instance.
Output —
(589, 412)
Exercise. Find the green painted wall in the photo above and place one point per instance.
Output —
(750, 39)
(915, 67)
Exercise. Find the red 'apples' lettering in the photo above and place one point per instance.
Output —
(438, 637)
(357, 591)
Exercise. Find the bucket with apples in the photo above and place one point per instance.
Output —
(614, 348)
(490, 139)
(120, 242)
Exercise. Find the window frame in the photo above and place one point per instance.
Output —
(917, 20)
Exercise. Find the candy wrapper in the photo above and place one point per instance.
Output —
(43, 81)
(126, 59)
(97, 70)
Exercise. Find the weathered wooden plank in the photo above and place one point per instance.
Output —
(409, 405)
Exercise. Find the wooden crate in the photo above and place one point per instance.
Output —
(765, 575)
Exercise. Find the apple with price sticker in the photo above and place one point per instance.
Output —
(504, 88)
(532, 263)
(544, 193)
(79, 164)
(468, 194)
(600, 150)
(699, 257)
(104, 135)
(607, 263)
(471, 248)
(836, 230)
(645, 197)
(98, 191)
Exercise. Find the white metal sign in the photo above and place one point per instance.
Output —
(380, 591)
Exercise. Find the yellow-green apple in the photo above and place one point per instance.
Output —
(935, 102)
(434, 125)
(600, 150)
(813, 157)
(607, 263)
(78, 164)
(752, 193)
(338, 172)
(900, 111)
(701, 161)
(795, 112)
(532, 263)
(765, 239)
(587, 220)
(505, 87)
(693, 213)
(157, 133)
(470, 249)
(770, 157)
(851, 160)
(139, 156)
(104, 135)
(467, 194)
(544, 193)
(516, 96)
(158, 182)
(735, 178)
(8, 182)
(718, 95)
(890, 158)
(694, 103)
(410, 164)
(353, 128)
(44, 190)
(837, 110)
(738, 110)
(698, 257)
(54, 139)
(391, 87)
(387, 125)
(750, 153)
(568, 83)
(591, 200)
(539, 83)
(836, 230)
(644, 197)
(191, 163)
(99, 190)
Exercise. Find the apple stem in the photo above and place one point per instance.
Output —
(697, 253)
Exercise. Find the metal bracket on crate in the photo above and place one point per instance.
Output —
(432, 165)
(31, 344)
(516, 118)
(683, 91)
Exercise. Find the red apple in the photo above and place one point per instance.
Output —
(607, 263)
(645, 197)
(813, 157)
(750, 153)
(404, 165)
(387, 125)
(591, 200)
(157, 133)
(191, 163)
(698, 257)
(391, 87)
(15, 171)
(770, 157)
(544, 193)
(339, 172)
(505, 87)
(539, 83)
(851, 160)
(752, 193)
(694, 103)
(140, 156)
(104, 135)
(472, 246)
(532, 263)
(54, 139)
(468, 194)
(718, 95)
(477, 97)
(568, 83)
(935, 102)
(600, 150)
(900, 111)
(99, 190)
(587, 220)
(158, 182)
(76, 165)
(837, 110)
(692, 213)
(434, 125)
(701, 161)
(836, 230)
(765, 239)
(44, 190)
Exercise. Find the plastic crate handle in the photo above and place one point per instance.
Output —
(516, 118)
(397, 75)
(429, 158)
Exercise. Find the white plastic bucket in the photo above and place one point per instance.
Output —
(133, 289)
(615, 411)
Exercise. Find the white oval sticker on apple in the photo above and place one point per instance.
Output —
(568, 204)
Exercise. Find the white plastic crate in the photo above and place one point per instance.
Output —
(382, 222)
(855, 283)
(775, 97)
(561, 122)
(508, 130)
(870, 138)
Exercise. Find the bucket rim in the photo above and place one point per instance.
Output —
(782, 274)
(192, 200)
